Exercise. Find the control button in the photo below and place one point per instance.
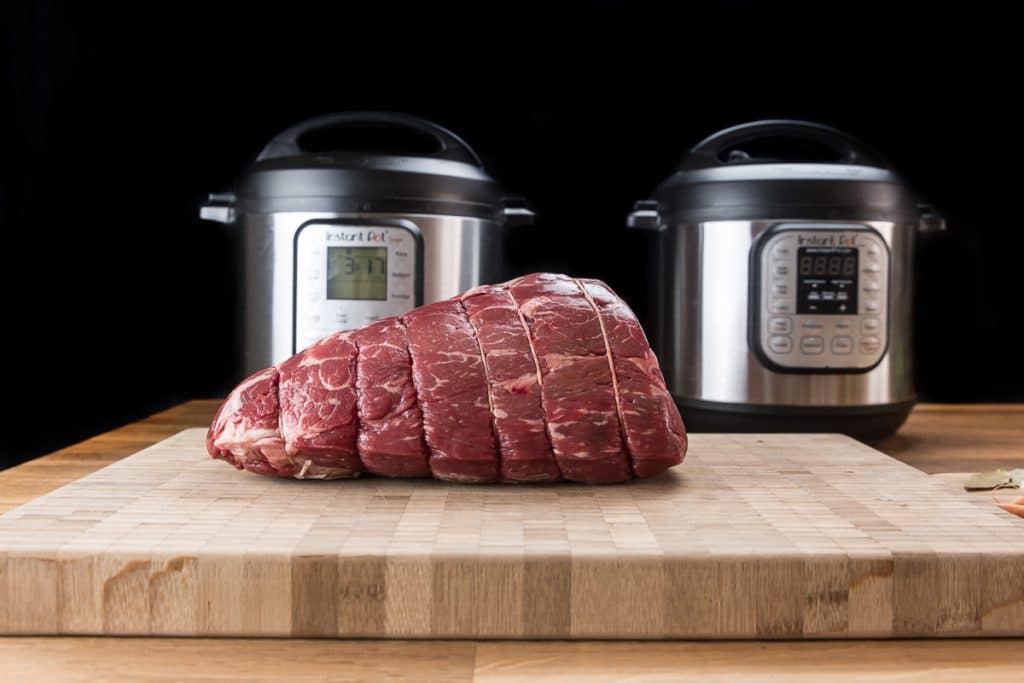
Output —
(780, 269)
(842, 345)
(811, 324)
(314, 274)
(780, 289)
(780, 306)
(872, 250)
(870, 344)
(872, 306)
(871, 285)
(781, 253)
(780, 325)
(828, 296)
(872, 267)
(812, 345)
(780, 343)
(843, 326)
(842, 296)
(870, 325)
(814, 296)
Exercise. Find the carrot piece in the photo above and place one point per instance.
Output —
(1016, 506)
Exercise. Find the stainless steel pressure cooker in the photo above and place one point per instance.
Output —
(783, 298)
(351, 217)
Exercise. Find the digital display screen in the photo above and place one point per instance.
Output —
(357, 273)
(826, 280)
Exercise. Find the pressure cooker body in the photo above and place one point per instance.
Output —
(335, 238)
(785, 288)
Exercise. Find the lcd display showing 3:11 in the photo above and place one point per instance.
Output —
(359, 273)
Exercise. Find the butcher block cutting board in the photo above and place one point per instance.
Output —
(754, 536)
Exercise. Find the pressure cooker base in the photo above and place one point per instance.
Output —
(866, 423)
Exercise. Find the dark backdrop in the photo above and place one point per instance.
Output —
(117, 122)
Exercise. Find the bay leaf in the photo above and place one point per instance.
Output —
(1017, 477)
(987, 480)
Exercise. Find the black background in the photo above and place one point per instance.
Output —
(117, 121)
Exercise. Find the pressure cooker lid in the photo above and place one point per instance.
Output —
(783, 169)
(368, 161)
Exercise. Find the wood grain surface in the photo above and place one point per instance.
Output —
(151, 660)
(756, 536)
(984, 437)
(936, 438)
(960, 438)
(34, 478)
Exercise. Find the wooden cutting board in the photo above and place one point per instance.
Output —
(766, 536)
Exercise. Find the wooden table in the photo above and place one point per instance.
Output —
(937, 439)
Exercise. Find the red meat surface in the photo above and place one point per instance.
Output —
(541, 379)
(576, 381)
(451, 385)
(513, 379)
(390, 440)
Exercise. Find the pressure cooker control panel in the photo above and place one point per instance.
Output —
(350, 275)
(820, 294)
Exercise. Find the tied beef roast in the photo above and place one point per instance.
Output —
(540, 379)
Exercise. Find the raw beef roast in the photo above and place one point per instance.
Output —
(513, 384)
(451, 386)
(544, 378)
(576, 382)
(390, 420)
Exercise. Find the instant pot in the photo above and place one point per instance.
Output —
(351, 217)
(783, 282)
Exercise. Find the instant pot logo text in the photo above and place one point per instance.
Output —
(835, 240)
(360, 236)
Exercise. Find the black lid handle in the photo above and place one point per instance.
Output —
(707, 152)
(449, 145)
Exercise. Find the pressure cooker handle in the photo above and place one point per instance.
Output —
(219, 208)
(645, 216)
(707, 152)
(450, 145)
(930, 222)
(516, 212)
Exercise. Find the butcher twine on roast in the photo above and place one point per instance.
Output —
(540, 379)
